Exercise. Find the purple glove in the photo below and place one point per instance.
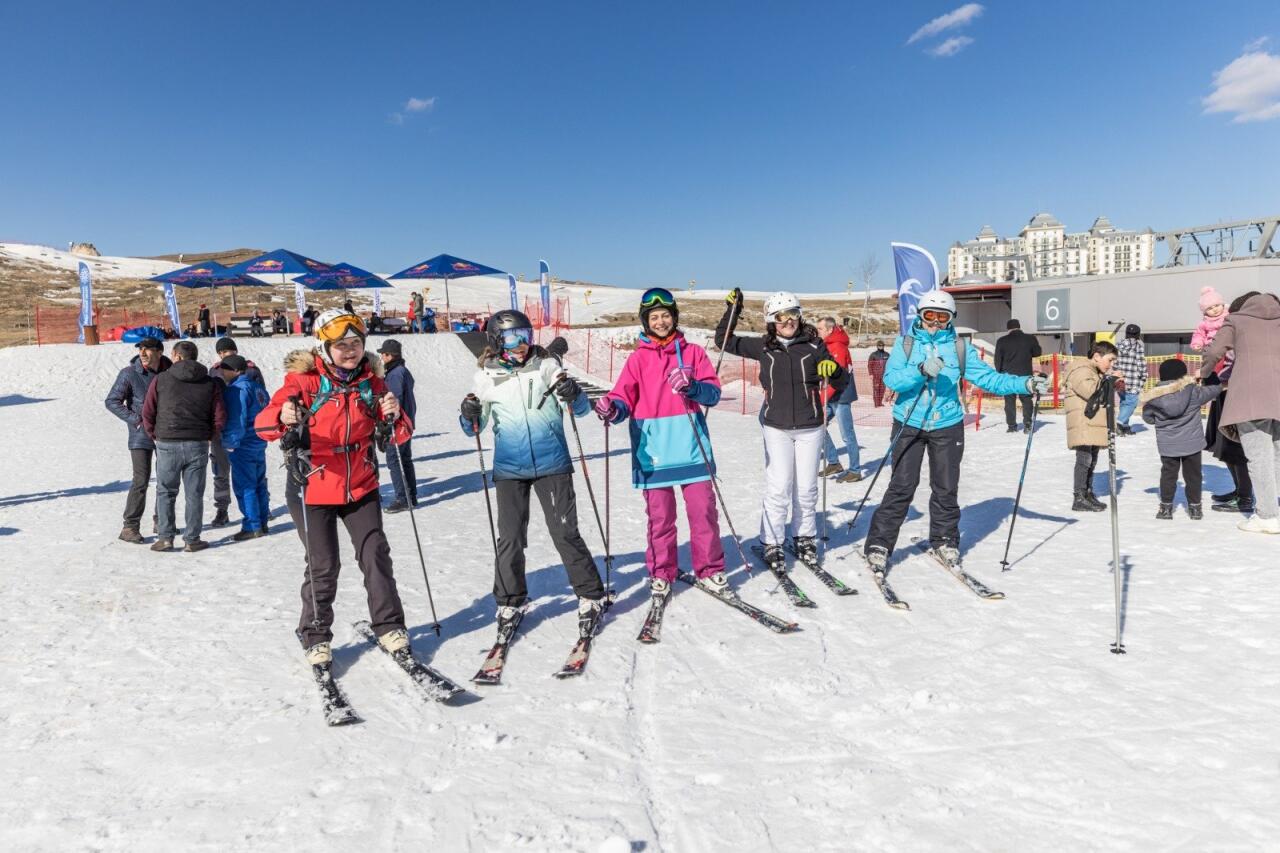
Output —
(604, 409)
(680, 378)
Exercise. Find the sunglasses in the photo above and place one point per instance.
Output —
(513, 338)
(791, 315)
(341, 327)
(930, 315)
(656, 296)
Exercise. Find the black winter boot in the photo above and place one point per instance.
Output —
(1165, 512)
(1195, 512)
(1098, 505)
(1083, 504)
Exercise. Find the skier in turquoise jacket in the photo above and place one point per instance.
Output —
(925, 370)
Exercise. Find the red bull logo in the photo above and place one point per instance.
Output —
(315, 265)
(421, 268)
(198, 271)
(463, 266)
(267, 266)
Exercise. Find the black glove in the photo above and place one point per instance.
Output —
(567, 390)
(471, 409)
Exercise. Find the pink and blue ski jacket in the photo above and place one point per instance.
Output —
(664, 448)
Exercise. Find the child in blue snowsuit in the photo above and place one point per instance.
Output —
(247, 452)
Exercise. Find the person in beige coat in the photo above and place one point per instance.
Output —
(1086, 435)
(1252, 404)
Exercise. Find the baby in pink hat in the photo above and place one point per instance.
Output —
(1214, 312)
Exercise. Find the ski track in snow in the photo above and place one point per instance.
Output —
(160, 701)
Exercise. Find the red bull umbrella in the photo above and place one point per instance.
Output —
(446, 267)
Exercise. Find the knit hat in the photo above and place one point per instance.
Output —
(236, 363)
(1174, 368)
(1209, 298)
(225, 345)
(1132, 331)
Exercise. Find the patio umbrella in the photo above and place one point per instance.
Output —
(341, 276)
(208, 274)
(281, 262)
(446, 267)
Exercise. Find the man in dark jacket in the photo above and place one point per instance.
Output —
(875, 369)
(221, 464)
(125, 402)
(400, 382)
(206, 329)
(182, 413)
(1014, 354)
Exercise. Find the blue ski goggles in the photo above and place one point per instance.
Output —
(657, 296)
(512, 338)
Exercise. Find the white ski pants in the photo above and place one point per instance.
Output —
(790, 482)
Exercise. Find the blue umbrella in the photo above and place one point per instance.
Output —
(208, 274)
(342, 276)
(446, 267)
(280, 261)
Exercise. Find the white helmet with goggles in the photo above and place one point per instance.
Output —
(779, 303)
(336, 324)
(937, 300)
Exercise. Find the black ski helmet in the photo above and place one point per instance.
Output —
(658, 297)
(506, 320)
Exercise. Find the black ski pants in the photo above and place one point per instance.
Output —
(560, 508)
(1192, 477)
(1011, 409)
(945, 448)
(136, 503)
(363, 520)
(1086, 461)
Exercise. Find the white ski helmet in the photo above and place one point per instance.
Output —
(938, 300)
(334, 324)
(779, 302)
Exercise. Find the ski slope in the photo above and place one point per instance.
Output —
(160, 701)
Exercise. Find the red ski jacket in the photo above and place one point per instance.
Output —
(838, 345)
(341, 428)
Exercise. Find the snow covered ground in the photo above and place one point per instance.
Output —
(103, 267)
(160, 701)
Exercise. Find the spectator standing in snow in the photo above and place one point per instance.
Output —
(218, 455)
(1253, 400)
(875, 369)
(1225, 448)
(1173, 408)
(125, 401)
(1131, 361)
(839, 407)
(404, 480)
(182, 413)
(1085, 435)
(1015, 353)
(206, 329)
(246, 451)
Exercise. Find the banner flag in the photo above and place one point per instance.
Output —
(917, 273)
(544, 291)
(86, 300)
(171, 305)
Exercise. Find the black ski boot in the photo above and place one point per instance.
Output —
(590, 611)
(1165, 512)
(806, 548)
(1194, 512)
(877, 558)
(1083, 504)
(775, 558)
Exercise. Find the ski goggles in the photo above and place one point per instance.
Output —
(790, 315)
(657, 296)
(934, 315)
(342, 327)
(510, 339)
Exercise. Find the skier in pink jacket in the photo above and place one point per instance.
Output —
(663, 388)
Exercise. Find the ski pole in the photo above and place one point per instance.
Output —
(586, 475)
(1117, 648)
(893, 443)
(393, 451)
(826, 460)
(608, 535)
(1026, 457)
(484, 481)
(735, 311)
(296, 400)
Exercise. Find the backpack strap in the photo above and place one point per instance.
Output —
(962, 351)
(364, 387)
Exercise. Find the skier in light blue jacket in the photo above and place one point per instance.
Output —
(530, 454)
(925, 370)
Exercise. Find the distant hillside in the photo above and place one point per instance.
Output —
(226, 257)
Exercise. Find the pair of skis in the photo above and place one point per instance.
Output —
(490, 672)
(971, 583)
(794, 593)
(651, 630)
(338, 710)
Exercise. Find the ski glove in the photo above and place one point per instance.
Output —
(1038, 384)
(931, 367)
(827, 368)
(734, 297)
(680, 380)
(471, 409)
(567, 390)
(605, 409)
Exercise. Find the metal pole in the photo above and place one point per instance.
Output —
(826, 460)
(394, 450)
(1031, 431)
(706, 460)
(608, 533)
(484, 481)
(586, 475)
(1117, 648)
(448, 319)
(892, 444)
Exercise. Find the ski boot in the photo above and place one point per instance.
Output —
(590, 611)
(1194, 512)
(394, 640)
(948, 555)
(775, 559)
(877, 559)
(806, 548)
(1165, 512)
(659, 588)
(717, 585)
(319, 655)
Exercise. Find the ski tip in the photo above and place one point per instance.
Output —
(344, 720)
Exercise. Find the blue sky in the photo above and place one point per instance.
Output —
(763, 145)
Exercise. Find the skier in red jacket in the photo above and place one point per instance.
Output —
(332, 400)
